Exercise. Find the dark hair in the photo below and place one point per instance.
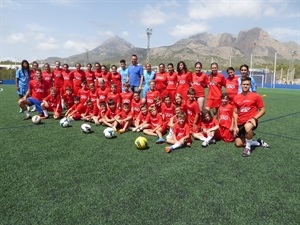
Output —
(111, 102)
(204, 113)
(244, 65)
(224, 95)
(198, 63)
(229, 68)
(245, 78)
(161, 64)
(122, 61)
(66, 65)
(191, 91)
(184, 66)
(170, 64)
(25, 69)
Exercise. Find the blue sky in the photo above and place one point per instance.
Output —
(37, 29)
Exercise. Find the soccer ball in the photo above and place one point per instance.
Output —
(86, 128)
(141, 143)
(64, 122)
(109, 132)
(36, 119)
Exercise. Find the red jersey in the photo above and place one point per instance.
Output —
(184, 81)
(89, 77)
(135, 108)
(142, 117)
(200, 81)
(225, 115)
(58, 78)
(68, 79)
(116, 79)
(154, 120)
(150, 96)
(89, 110)
(126, 97)
(215, 86)
(115, 97)
(232, 86)
(79, 76)
(161, 81)
(93, 95)
(110, 114)
(83, 95)
(210, 124)
(37, 89)
(247, 106)
(123, 115)
(32, 74)
(168, 112)
(107, 78)
(102, 94)
(172, 80)
(181, 131)
(192, 111)
(68, 99)
(53, 102)
(48, 78)
(97, 74)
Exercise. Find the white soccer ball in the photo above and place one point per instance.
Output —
(64, 122)
(86, 128)
(109, 132)
(36, 119)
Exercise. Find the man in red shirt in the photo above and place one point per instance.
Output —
(249, 107)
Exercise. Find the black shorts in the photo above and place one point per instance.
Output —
(242, 131)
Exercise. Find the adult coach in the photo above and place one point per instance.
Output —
(249, 107)
(135, 74)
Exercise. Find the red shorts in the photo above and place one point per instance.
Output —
(226, 134)
(213, 103)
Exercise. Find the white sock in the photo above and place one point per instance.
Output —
(255, 143)
(248, 143)
(45, 112)
(176, 145)
(26, 113)
(209, 138)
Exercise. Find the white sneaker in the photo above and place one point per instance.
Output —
(263, 143)
(246, 152)
(33, 109)
(204, 144)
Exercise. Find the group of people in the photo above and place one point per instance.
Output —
(138, 99)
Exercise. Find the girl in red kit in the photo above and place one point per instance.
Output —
(181, 134)
(180, 103)
(199, 83)
(184, 79)
(79, 76)
(47, 77)
(216, 81)
(209, 129)
(172, 80)
(114, 95)
(124, 118)
(89, 74)
(232, 84)
(99, 118)
(89, 112)
(168, 110)
(141, 122)
(225, 115)
(76, 110)
(52, 103)
(68, 98)
(193, 111)
(126, 95)
(136, 105)
(97, 72)
(116, 78)
(58, 78)
(106, 75)
(109, 117)
(68, 77)
(83, 93)
(151, 94)
(161, 81)
(102, 91)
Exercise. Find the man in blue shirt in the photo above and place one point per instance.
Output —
(135, 74)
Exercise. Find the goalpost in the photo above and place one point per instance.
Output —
(260, 80)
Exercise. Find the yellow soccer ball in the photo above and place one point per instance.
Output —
(141, 143)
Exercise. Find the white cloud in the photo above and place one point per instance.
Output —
(186, 30)
(80, 46)
(48, 44)
(107, 33)
(61, 2)
(36, 27)
(151, 16)
(16, 38)
(284, 34)
(124, 34)
(10, 4)
(38, 36)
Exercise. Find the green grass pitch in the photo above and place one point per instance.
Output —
(54, 175)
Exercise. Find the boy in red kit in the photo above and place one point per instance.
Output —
(161, 80)
(116, 78)
(89, 75)
(79, 76)
(58, 78)
(168, 110)
(249, 107)
(209, 129)
(83, 93)
(102, 91)
(68, 98)
(109, 117)
(181, 134)
(114, 95)
(52, 103)
(76, 110)
(215, 83)
(232, 84)
(67, 76)
(225, 116)
(156, 125)
(99, 118)
(184, 79)
(136, 105)
(141, 122)
(172, 80)
(158, 103)
(193, 111)
(124, 118)
(199, 83)
(126, 95)
(180, 103)
(151, 94)
(93, 93)
(89, 112)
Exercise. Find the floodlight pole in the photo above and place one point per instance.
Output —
(149, 33)
(274, 74)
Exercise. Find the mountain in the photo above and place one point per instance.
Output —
(204, 47)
